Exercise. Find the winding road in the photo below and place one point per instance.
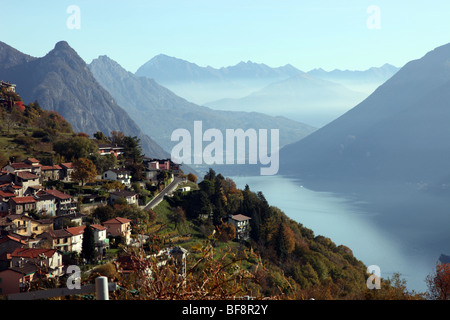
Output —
(168, 190)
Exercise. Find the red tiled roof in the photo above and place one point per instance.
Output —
(20, 200)
(68, 165)
(58, 194)
(33, 160)
(21, 165)
(98, 227)
(6, 194)
(117, 220)
(76, 230)
(60, 233)
(46, 168)
(27, 175)
(32, 252)
(11, 238)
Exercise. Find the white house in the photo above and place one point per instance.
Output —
(123, 176)
(76, 243)
(101, 242)
(242, 225)
(50, 258)
(46, 204)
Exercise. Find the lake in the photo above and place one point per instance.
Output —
(352, 223)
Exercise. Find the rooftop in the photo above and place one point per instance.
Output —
(240, 217)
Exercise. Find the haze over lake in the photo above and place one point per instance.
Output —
(348, 222)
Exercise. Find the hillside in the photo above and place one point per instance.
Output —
(28, 130)
(62, 82)
(398, 134)
(295, 263)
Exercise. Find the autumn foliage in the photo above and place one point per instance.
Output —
(439, 282)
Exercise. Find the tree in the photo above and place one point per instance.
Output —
(84, 171)
(439, 282)
(100, 136)
(177, 216)
(88, 251)
(103, 213)
(75, 148)
(192, 177)
(117, 137)
(226, 232)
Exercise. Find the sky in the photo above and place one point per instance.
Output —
(328, 34)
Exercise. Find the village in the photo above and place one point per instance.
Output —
(44, 224)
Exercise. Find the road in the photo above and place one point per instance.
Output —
(160, 197)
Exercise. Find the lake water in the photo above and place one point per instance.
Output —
(348, 222)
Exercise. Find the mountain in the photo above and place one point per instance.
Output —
(61, 81)
(203, 84)
(301, 97)
(399, 134)
(365, 81)
(159, 112)
(10, 57)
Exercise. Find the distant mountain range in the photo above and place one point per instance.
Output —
(316, 97)
(400, 133)
(204, 84)
(61, 81)
(159, 112)
(365, 81)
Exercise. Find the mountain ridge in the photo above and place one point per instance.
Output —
(61, 81)
(354, 144)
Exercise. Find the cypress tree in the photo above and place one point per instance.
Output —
(88, 250)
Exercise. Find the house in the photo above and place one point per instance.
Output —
(121, 175)
(76, 242)
(51, 173)
(184, 189)
(46, 204)
(10, 242)
(158, 164)
(106, 148)
(18, 167)
(131, 197)
(31, 165)
(41, 226)
(101, 241)
(17, 279)
(57, 239)
(19, 205)
(28, 181)
(8, 86)
(118, 227)
(72, 219)
(22, 223)
(242, 225)
(66, 171)
(64, 202)
(50, 259)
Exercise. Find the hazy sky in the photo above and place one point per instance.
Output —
(305, 33)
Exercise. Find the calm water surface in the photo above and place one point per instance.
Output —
(346, 222)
